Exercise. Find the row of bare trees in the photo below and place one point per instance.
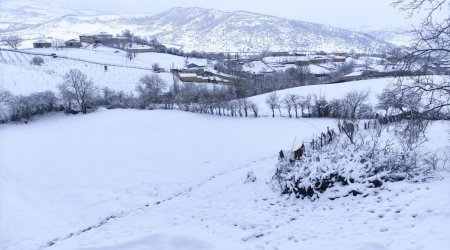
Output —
(354, 105)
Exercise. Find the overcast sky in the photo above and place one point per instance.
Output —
(341, 13)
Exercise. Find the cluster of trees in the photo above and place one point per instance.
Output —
(78, 94)
(16, 108)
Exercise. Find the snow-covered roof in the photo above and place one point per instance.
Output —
(356, 73)
(188, 75)
(42, 41)
(193, 65)
(314, 69)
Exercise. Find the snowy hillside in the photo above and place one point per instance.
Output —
(18, 76)
(202, 30)
(128, 179)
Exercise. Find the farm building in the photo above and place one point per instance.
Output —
(88, 39)
(42, 44)
(137, 48)
(73, 43)
(193, 66)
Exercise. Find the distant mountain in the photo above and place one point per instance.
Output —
(193, 29)
(19, 14)
(397, 36)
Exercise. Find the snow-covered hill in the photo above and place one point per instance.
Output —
(196, 29)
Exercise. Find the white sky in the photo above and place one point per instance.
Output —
(341, 13)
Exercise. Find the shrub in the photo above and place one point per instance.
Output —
(37, 60)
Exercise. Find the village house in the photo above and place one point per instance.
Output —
(318, 60)
(73, 43)
(337, 59)
(303, 61)
(300, 53)
(280, 53)
(42, 44)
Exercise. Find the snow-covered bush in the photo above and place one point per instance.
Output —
(37, 60)
(24, 107)
(5, 98)
(341, 168)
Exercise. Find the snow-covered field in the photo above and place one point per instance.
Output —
(166, 184)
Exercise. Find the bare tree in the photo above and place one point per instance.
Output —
(150, 89)
(295, 102)
(307, 104)
(287, 103)
(431, 47)
(254, 108)
(12, 41)
(130, 55)
(273, 102)
(386, 101)
(58, 43)
(352, 103)
(155, 67)
(244, 103)
(78, 93)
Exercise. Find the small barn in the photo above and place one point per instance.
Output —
(137, 48)
(193, 66)
(88, 39)
(73, 43)
(42, 44)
